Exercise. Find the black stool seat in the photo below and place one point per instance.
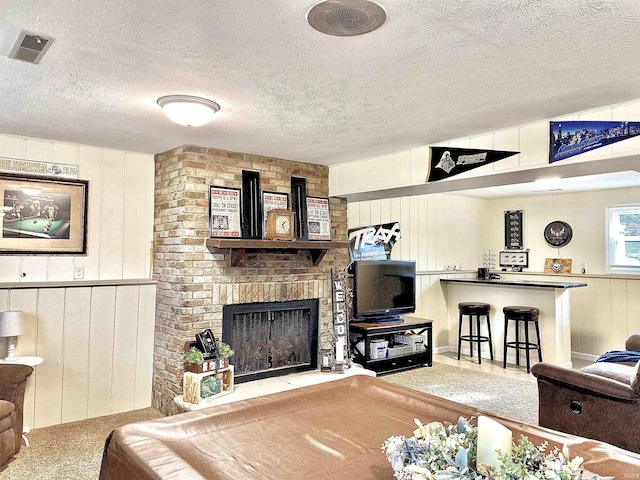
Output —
(474, 309)
(526, 315)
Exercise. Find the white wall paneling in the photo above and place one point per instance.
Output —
(531, 140)
(120, 213)
(97, 346)
(437, 230)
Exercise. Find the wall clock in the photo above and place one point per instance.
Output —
(558, 233)
(280, 225)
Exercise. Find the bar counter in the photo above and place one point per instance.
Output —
(550, 297)
(515, 283)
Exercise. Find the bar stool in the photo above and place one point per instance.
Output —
(478, 310)
(527, 315)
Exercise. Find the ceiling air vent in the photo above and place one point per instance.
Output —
(30, 48)
(346, 18)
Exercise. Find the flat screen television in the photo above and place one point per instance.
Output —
(383, 290)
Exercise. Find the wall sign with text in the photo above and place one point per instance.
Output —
(224, 212)
(318, 218)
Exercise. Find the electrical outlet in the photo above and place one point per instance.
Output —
(78, 272)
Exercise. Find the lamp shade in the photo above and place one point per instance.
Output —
(11, 323)
(188, 110)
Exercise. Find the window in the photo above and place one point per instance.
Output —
(623, 238)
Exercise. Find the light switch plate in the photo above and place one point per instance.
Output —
(78, 272)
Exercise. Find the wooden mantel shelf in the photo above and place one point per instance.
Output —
(239, 246)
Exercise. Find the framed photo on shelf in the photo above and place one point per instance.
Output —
(318, 218)
(43, 215)
(224, 212)
(272, 201)
(514, 259)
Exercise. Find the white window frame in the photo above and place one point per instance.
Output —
(613, 239)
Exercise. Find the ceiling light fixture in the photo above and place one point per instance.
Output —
(188, 110)
(346, 18)
(548, 184)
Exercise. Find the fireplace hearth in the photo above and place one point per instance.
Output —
(271, 338)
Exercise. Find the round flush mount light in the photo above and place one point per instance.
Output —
(188, 110)
(346, 18)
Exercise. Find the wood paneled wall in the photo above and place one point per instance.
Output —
(120, 217)
(97, 346)
(437, 230)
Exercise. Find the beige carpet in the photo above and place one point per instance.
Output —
(499, 394)
(71, 451)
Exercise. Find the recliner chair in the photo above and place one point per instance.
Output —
(13, 382)
(600, 401)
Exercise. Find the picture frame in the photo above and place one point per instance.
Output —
(514, 259)
(318, 219)
(225, 214)
(43, 215)
(513, 230)
(272, 201)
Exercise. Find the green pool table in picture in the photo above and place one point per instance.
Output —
(36, 227)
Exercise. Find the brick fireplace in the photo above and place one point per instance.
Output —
(195, 282)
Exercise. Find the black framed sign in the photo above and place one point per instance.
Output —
(224, 212)
(558, 233)
(513, 229)
(43, 215)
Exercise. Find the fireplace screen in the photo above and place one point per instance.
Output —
(271, 339)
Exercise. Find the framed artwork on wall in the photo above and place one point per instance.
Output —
(513, 230)
(43, 215)
(224, 212)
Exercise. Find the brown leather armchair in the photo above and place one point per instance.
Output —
(600, 401)
(13, 382)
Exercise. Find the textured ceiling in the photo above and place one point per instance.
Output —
(436, 70)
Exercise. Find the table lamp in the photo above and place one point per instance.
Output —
(11, 326)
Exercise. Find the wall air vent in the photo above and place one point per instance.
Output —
(30, 47)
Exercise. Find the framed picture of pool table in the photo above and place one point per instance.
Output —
(43, 215)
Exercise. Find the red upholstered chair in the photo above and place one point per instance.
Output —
(13, 382)
(600, 401)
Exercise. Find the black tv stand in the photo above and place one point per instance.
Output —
(366, 331)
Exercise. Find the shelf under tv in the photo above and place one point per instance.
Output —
(239, 246)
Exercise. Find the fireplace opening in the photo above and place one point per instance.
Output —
(271, 338)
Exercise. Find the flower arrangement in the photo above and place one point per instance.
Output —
(440, 451)
(193, 355)
(224, 350)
